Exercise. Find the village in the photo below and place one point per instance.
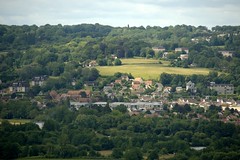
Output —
(139, 96)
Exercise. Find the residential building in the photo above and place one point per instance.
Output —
(190, 86)
(224, 89)
(125, 77)
(19, 87)
(38, 81)
(183, 56)
(148, 84)
(136, 85)
(179, 89)
(139, 79)
(186, 50)
(158, 49)
(226, 53)
(165, 55)
(92, 63)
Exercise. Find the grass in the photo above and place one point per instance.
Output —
(148, 68)
(105, 152)
(16, 121)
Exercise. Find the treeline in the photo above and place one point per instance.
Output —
(82, 133)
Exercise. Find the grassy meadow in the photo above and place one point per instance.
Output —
(148, 68)
(16, 121)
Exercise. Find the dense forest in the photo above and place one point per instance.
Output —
(63, 53)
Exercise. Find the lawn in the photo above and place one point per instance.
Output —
(148, 68)
(16, 121)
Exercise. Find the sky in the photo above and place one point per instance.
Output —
(121, 12)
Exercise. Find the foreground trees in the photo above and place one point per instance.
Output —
(83, 133)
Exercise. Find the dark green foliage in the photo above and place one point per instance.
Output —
(117, 153)
(153, 155)
(133, 154)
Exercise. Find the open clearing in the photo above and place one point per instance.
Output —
(16, 121)
(148, 68)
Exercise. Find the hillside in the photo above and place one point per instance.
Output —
(63, 96)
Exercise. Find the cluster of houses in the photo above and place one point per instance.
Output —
(126, 87)
(186, 52)
(23, 87)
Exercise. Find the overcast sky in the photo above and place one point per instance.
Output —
(121, 12)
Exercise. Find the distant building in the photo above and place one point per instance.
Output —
(19, 87)
(190, 86)
(92, 64)
(138, 79)
(165, 55)
(148, 84)
(38, 81)
(158, 49)
(183, 56)
(107, 89)
(40, 124)
(125, 77)
(222, 88)
(136, 85)
(226, 53)
(179, 89)
(182, 49)
(118, 81)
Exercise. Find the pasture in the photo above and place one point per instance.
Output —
(16, 121)
(148, 68)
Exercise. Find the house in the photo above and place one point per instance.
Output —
(165, 55)
(148, 84)
(158, 49)
(92, 63)
(186, 50)
(183, 56)
(38, 81)
(19, 87)
(167, 90)
(179, 89)
(125, 77)
(138, 79)
(136, 85)
(190, 86)
(118, 81)
(222, 88)
(226, 53)
(40, 124)
(107, 89)
(54, 95)
(159, 87)
(81, 93)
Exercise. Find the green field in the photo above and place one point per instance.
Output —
(148, 68)
(16, 121)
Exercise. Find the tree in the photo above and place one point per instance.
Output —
(153, 155)
(165, 79)
(117, 153)
(117, 62)
(121, 108)
(133, 154)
